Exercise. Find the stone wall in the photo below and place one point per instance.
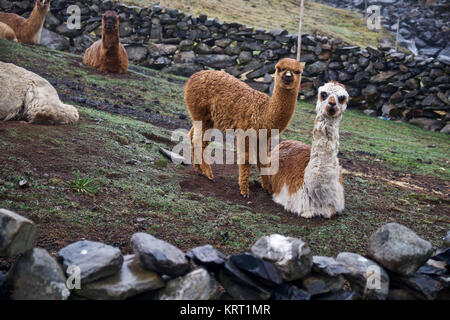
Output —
(400, 265)
(382, 82)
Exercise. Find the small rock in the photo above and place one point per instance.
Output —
(4, 287)
(343, 294)
(367, 278)
(328, 266)
(399, 249)
(130, 281)
(158, 255)
(207, 256)
(196, 285)
(446, 243)
(290, 255)
(444, 256)
(17, 234)
(133, 162)
(240, 286)
(290, 292)
(95, 259)
(420, 285)
(23, 184)
(263, 271)
(37, 276)
(317, 284)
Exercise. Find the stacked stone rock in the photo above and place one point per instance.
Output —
(384, 83)
(424, 32)
(278, 268)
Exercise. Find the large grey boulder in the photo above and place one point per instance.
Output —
(158, 255)
(196, 285)
(291, 256)
(54, 40)
(17, 234)
(366, 277)
(37, 276)
(399, 249)
(157, 49)
(131, 280)
(95, 259)
(136, 53)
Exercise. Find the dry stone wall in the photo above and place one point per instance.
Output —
(381, 82)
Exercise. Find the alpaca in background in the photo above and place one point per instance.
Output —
(26, 96)
(309, 179)
(108, 54)
(221, 101)
(6, 33)
(28, 30)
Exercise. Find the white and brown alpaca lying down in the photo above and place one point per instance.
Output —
(26, 96)
(309, 179)
(28, 30)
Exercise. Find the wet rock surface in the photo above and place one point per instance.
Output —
(291, 256)
(196, 285)
(95, 260)
(130, 281)
(17, 234)
(399, 249)
(159, 256)
(207, 256)
(37, 276)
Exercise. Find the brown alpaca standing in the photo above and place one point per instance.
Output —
(6, 33)
(221, 101)
(108, 54)
(28, 30)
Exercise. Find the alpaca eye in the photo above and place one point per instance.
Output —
(342, 99)
(297, 72)
(323, 95)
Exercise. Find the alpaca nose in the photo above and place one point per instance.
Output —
(331, 103)
(287, 77)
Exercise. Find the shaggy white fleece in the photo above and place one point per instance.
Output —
(26, 96)
(321, 195)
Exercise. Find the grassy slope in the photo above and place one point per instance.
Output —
(282, 14)
(150, 196)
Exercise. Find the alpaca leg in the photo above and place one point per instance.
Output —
(197, 148)
(244, 179)
(196, 166)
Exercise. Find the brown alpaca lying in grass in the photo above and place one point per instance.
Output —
(6, 33)
(309, 179)
(108, 54)
(221, 101)
(28, 30)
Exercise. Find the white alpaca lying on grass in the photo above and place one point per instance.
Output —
(26, 96)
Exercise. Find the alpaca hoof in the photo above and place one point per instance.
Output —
(245, 195)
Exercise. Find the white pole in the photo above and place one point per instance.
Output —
(299, 42)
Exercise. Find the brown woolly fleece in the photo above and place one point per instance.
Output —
(221, 101)
(294, 157)
(6, 33)
(28, 30)
(108, 54)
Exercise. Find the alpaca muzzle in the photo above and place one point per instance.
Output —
(288, 78)
(332, 110)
